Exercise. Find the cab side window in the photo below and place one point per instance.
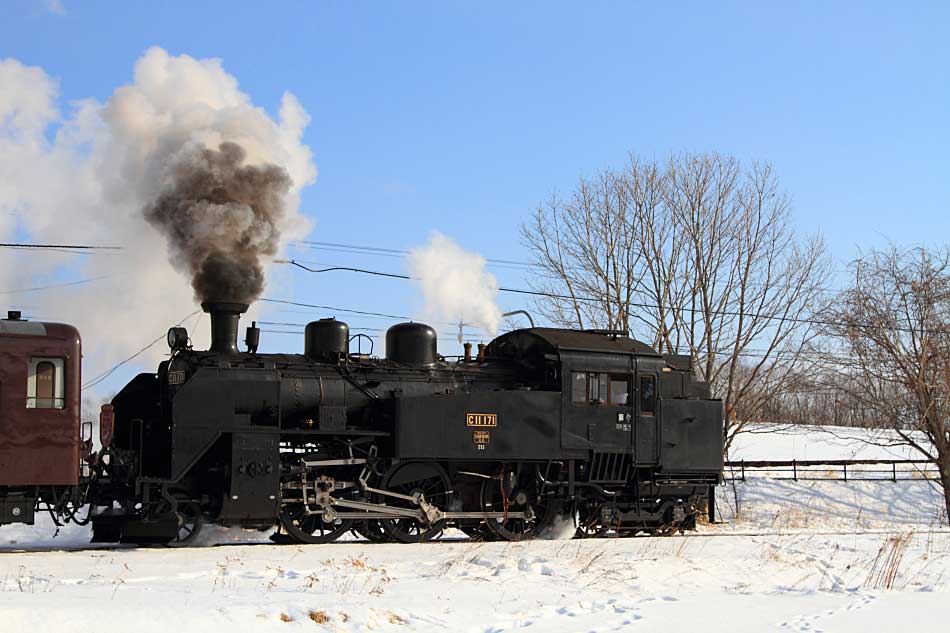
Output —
(46, 384)
(579, 387)
(647, 395)
(619, 390)
(599, 388)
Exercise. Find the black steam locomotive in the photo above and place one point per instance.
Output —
(540, 424)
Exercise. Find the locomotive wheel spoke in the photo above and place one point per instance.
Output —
(311, 528)
(372, 531)
(508, 493)
(190, 521)
(429, 481)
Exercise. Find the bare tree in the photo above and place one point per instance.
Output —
(696, 255)
(894, 323)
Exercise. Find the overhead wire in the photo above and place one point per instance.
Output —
(67, 284)
(551, 295)
(398, 253)
(351, 311)
(75, 247)
(102, 376)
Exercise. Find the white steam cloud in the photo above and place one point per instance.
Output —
(86, 177)
(454, 283)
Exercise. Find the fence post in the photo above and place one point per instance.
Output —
(795, 469)
(894, 471)
(743, 471)
(846, 472)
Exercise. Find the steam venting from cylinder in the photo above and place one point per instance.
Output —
(220, 217)
(224, 325)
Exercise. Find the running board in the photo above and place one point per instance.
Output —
(382, 511)
(445, 515)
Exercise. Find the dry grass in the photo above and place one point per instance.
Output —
(320, 617)
(888, 561)
(395, 619)
(285, 618)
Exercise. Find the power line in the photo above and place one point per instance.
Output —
(67, 284)
(397, 252)
(98, 379)
(444, 339)
(350, 311)
(332, 308)
(401, 253)
(550, 295)
(78, 247)
(378, 273)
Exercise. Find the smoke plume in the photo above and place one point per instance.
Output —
(454, 283)
(177, 167)
(220, 217)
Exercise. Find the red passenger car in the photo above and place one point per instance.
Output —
(40, 428)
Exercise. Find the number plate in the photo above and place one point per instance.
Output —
(481, 419)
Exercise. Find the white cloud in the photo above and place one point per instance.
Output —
(90, 182)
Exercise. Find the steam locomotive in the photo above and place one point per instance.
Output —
(538, 425)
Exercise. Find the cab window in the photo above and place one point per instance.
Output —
(599, 388)
(46, 384)
(619, 390)
(647, 395)
(579, 387)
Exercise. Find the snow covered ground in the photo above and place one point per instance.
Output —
(799, 556)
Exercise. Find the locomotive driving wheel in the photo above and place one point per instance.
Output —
(520, 492)
(425, 481)
(591, 529)
(596, 520)
(190, 520)
(372, 531)
(310, 528)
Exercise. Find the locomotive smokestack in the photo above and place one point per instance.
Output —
(224, 325)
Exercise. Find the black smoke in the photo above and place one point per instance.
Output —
(221, 217)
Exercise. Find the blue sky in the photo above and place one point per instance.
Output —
(462, 116)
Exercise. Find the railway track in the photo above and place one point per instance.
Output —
(12, 549)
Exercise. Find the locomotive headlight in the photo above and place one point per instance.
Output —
(177, 338)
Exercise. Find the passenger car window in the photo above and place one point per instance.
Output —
(647, 395)
(46, 384)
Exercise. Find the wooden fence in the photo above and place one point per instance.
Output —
(834, 469)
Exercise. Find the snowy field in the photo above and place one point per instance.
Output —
(799, 556)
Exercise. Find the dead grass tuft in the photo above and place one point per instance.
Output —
(320, 617)
(888, 561)
(285, 618)
(395, 619)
